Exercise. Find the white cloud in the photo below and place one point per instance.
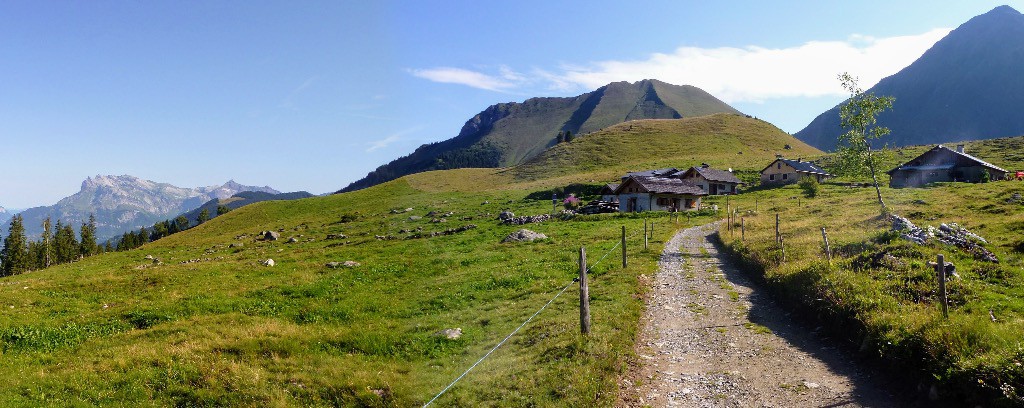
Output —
(733, 74)
(469, 78)
(391, 139)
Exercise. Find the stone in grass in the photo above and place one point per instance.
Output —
(293, 240)
(524, 235)
(268, 262)
(236, 245)
(450, 334)
(346, 264)
(271, 236)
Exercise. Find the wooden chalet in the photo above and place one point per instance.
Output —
(942, 164)
(712, 181)
(786, 171)
(608, 193)
(647, 193)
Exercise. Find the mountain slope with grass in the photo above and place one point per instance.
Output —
(199, 319)
(966, 87)
(510, 133)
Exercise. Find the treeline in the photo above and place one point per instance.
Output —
(59, 244)
(134, 239)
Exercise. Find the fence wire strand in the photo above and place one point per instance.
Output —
(503, 341)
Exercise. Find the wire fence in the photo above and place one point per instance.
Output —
(527, 321)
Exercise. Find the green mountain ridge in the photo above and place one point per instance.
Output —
(506, 134)
(966, 87)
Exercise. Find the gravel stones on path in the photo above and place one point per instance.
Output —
(710, 339)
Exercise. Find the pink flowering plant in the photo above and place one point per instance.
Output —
(572, 202)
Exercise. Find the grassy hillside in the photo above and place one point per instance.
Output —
(880, 295)
(210, 325)
(721, 140)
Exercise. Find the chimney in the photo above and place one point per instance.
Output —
(960, 148)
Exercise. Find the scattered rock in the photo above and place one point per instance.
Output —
(148, 257)
(346, 264)
(506, 215)
(450, 334)
(524, 235)
(271, 236)
(292, 240)
(268, 262)
(526, 219)
(415, 218)
(236, 245)
(438, 220)
(336, 236)
(950, 234)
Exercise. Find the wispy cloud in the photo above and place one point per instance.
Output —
(734, 74)
(375, 145)
(505, 80)
(289, 101)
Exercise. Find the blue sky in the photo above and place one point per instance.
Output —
(313, 95)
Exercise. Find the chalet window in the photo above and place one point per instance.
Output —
(785, 176)
(771, 177)
(778, 166)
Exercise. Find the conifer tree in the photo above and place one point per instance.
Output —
(88, 234)
(14, 255)
(204, 216)
(222, 209)
(65, 245)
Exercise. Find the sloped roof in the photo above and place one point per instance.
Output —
(711, 174)
(653, 173)
(800, 166)
(610, 188)
(933, 165)
(663, 185)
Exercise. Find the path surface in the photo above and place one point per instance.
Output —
(710, 340)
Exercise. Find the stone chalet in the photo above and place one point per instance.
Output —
(653, 193)
(712, 181)
(786, 171)
(943, 164)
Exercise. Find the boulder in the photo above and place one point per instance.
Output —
(292, 240)
(524, 235)
(271, 236)
(236, 245)
(415, 218)
(506, 215)
(346, 264)
(268, 262)
(450, 334)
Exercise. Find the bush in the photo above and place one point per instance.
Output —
(810, 186)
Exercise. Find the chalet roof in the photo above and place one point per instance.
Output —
(800, 166)
(609, 188)
(722, 176)
(932, 165)
(663, 185)
(653, 173)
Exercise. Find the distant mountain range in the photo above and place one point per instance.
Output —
(510, 133)
(240, 200)
(5, 215)
(124, 203)
(968, 86)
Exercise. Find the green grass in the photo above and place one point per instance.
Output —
(117, 329)
(879, 291)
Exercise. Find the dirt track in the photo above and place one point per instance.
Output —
(711, 340)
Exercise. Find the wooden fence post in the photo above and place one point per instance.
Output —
(828, 249)
(941, 271)
(743, 229)
(782, 245)
(623, 247)
(645, 234)
(584, 294)
(778, 237)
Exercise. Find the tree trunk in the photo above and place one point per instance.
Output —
(874, 179)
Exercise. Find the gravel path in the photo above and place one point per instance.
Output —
(711, 339)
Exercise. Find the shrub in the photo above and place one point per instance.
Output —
(810, 186)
